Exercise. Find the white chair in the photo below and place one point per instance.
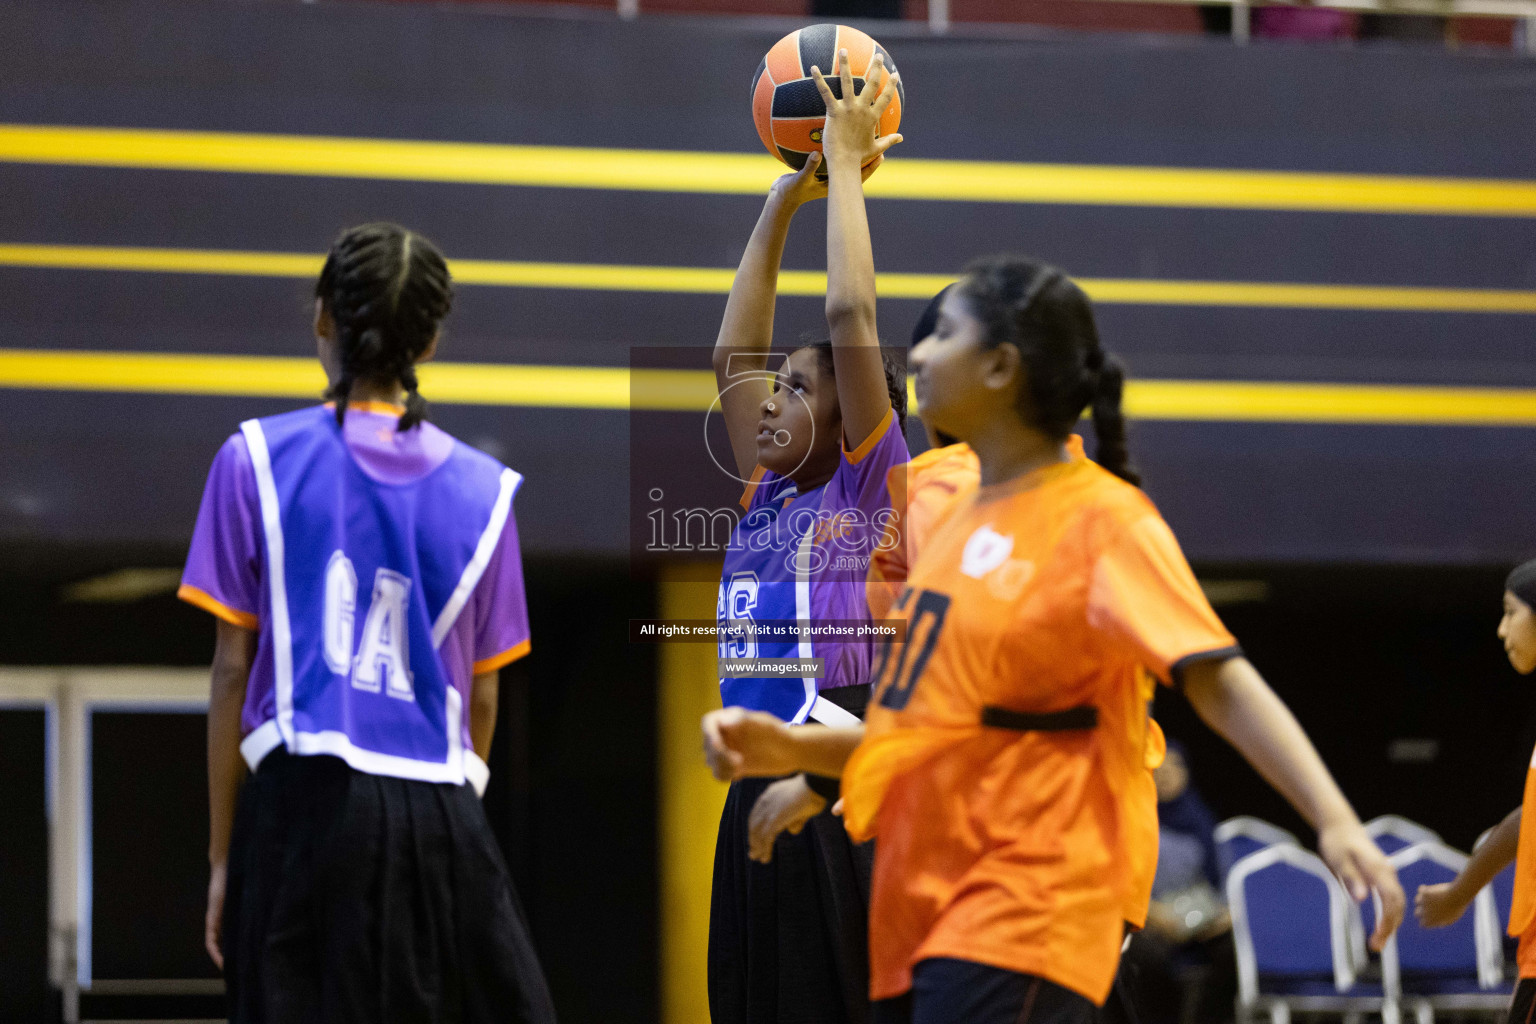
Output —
(1290, 923)
(1442, 968)
(1393, 832)
(1237, 837)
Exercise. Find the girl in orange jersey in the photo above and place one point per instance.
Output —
(1439, 905)
(1003, 760)
(921, 492)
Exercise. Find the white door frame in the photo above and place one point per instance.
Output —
(68, 697)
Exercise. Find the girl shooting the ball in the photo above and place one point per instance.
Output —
(814, 439)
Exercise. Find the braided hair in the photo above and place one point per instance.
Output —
(387, 290)
(1041, 312)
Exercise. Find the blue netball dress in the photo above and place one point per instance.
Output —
(788, 939)
(803, 558)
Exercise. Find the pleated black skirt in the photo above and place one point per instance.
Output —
(363, 898)
(788, 940)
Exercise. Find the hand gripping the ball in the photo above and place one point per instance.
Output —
(853, 118)
(802, 186)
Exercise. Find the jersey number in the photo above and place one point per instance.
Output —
(383, 659)
(738, 600)
(925, 622)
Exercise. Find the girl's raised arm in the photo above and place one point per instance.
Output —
(746, 330)
(852, 152)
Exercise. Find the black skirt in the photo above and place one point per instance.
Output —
(363, 898)
(788, 940)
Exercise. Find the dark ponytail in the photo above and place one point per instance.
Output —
(1109, 421)
(1041, 312)
(387, 291)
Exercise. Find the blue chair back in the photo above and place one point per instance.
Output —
(1288, 920)
(1441, 952)
(1393, 833)
(1238, 837)
(1390, 844)
(1236, 848)
(1392, 841)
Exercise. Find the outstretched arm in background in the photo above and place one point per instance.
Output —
(852, 152)
(740, 744)
(1439, 905)
(234, 650)
(1236, 701)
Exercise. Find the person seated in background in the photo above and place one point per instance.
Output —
(1183, 962)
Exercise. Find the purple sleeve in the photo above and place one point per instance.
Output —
(866, 469)
(224, 564)
(501, 606)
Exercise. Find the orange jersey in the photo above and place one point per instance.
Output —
(1522, 909)
(1026, 850)
(922, 492)
(1525, 954)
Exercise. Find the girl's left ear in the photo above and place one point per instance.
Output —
(431, 349)
(1004, 367)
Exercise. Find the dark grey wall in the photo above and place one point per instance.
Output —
(129, 468)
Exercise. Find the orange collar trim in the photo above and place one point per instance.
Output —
(389, 408)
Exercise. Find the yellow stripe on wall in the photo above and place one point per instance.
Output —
(1329, 403)
(750, 173)
(162, 261)
(617, 388)
(717, 281)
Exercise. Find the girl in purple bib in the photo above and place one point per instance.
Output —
(365, 573)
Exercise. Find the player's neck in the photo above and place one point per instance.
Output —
(817, 469)
(1007, 451)
(387, 392)
(809, 481)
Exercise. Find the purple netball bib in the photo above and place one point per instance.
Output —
(365, 582)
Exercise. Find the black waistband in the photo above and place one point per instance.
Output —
(1070, 720)
(853, 699)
